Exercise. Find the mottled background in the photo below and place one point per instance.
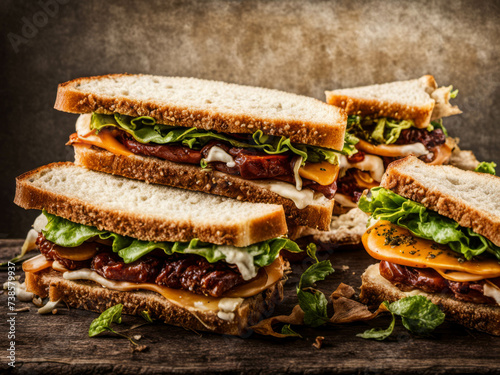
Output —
(298, 46)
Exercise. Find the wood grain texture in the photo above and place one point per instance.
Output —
(58, 344)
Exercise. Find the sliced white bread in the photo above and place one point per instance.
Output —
(145, 211)
(419, 100)
(470, 198)
(375, 289)
(211, 105)
(192, 177)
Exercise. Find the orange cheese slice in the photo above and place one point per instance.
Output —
(387, 241)
(85, 251)
(364, 180)
(36, 264)
(104, 139)
(323, 173)
(459, 276)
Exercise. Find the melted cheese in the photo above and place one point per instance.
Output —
(302, 198)
(104, 139)
(323, 173)
(412, 251)
(36, 264)
(417, 149)
(85, 251)
(217, 154)
(371, 163)
(442, 153)
(364, 180)
(458, 276)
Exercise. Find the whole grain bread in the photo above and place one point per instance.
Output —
(192, 177)
(376, 289)
(419, 100)
(146, 211)
(88, 295)
(470, 198)
(211, 105)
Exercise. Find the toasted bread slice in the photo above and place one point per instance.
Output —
(145, 211)
(88, 295)
(211, 105)
(470, 198)
(376, 289)
(419, 100)
(192, 177)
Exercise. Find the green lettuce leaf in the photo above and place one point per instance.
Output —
(312, 301)
(379, 333)
(377, 131)
(68, 234)
(437, 124)
(386, 205)
(418, 314)
(287, 330)
(103, 322)
(485, 167)
(144, 129)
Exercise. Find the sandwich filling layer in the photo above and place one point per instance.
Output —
(210, 272)
(252, 157)
(379, 142)
(423, 250)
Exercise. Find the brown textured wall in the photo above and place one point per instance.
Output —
(299, 46)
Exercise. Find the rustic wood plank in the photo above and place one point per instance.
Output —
(59, 343)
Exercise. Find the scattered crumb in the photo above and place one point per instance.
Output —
(319, 342)
(137, 337)
(37, 301)
(354, 273)
(138, 348)
(54, 311)
(25, 308)
(1, 292)
(345, 268)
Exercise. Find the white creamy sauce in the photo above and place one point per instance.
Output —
(344, 200)
(48, 307)
(237, 256)
(20, 291)
(30, 241)
(217, 154)
(227, 307)
(302, 198)
(298, 179)
(83, 125)
(491, 291)
(371, 163)
(86, 274)
(417, 149)
(40, 223)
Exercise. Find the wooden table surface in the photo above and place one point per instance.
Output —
(59, 343)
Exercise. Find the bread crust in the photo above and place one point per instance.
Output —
(420, 114)
(88, 295)
(376, 289)
(192, 177)
(143, 227)
(329, 134)
(397, 179)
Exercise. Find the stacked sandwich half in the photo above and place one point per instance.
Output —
(202, 261)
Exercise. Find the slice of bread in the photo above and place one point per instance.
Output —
(470, 198)
(145, 211)
(419, 100)
(192, 177)
(211, 105)
(88, 295)
(375, 289)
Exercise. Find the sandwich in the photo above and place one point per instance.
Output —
(251, 144)
(386, 122)
(199, 261)
(436, 233)
(390, 121)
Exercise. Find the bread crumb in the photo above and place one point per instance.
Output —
(319, 342)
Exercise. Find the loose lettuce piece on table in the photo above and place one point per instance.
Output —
(485, 167)
(386, 205)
